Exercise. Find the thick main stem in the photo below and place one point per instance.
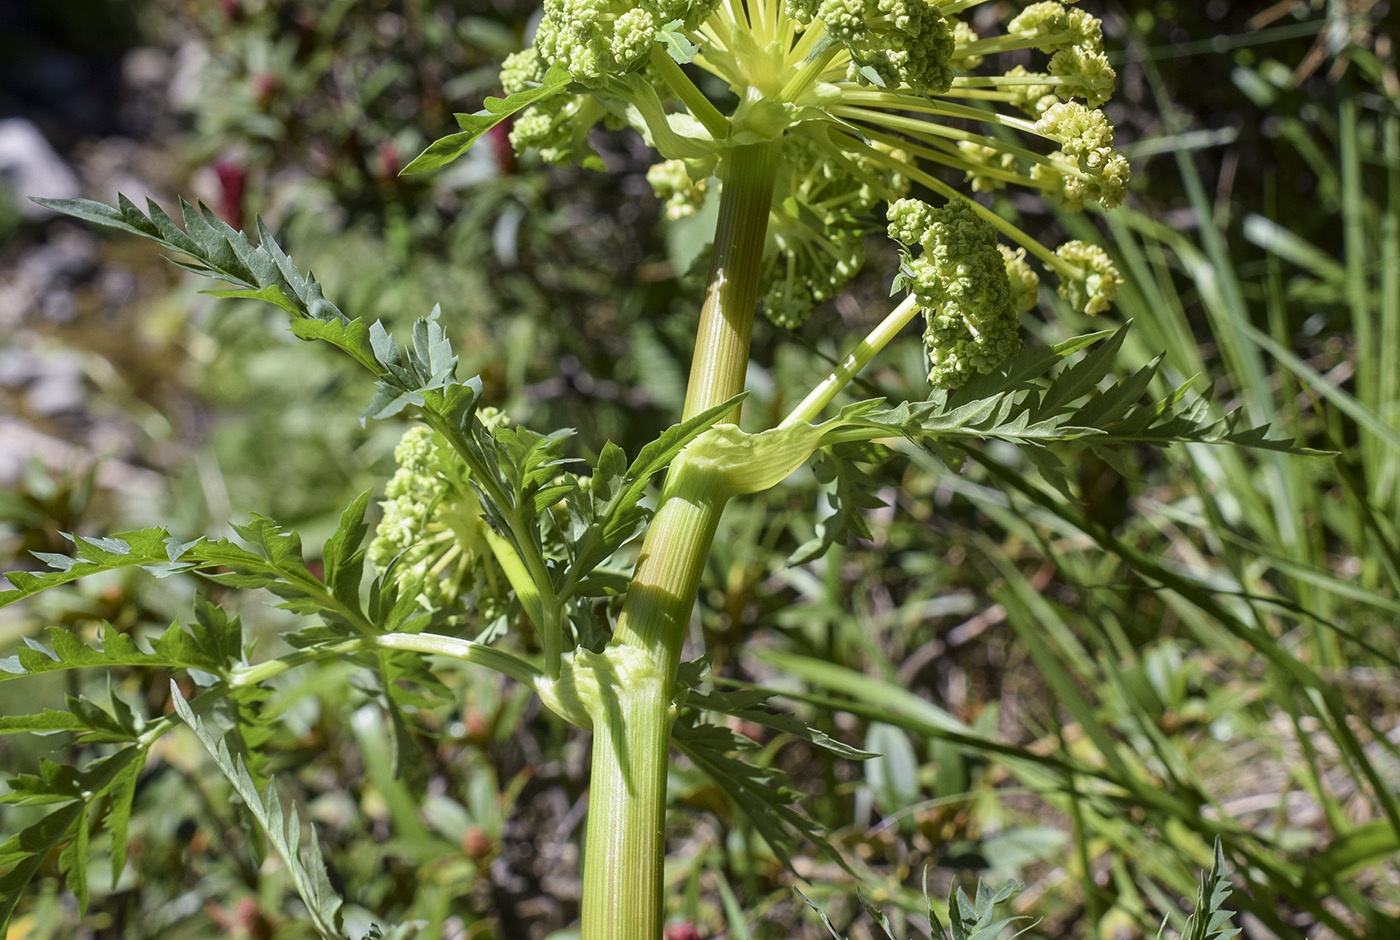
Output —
(625, 849)
(721, 356)
(625, 846)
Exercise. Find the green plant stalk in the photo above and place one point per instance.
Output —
(856, 360)
(624, 848)
(721, 357)
(624, 852)
(704, 110)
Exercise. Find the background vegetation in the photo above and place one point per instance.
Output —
(1080, 690)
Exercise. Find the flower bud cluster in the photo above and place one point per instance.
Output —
(1086, 140)
(863, 98)
(1075, 40)
(431, 537)
(961, 283)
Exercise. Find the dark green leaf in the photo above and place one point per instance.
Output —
(265, 272)
(343, 555)
(1210, 920)
(616, 494)
(856, 490)
(27, 850)
(748, 705)
(756, 791)
(283, 829)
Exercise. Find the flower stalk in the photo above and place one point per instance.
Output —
(625, 848)
(721, 357)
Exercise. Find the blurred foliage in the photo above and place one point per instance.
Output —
(1076, 694)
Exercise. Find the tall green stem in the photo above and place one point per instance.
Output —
(625, 847)
(624, 854)
(726, 320)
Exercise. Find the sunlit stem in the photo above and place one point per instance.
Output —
(721, 357)
(625, 849)
(997, 44)
(857, 359)
(693, 98)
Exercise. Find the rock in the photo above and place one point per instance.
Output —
(43, 280)
(29, 166)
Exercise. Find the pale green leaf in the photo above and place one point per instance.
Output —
(443, 151)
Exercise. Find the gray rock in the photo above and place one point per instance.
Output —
(30, 167)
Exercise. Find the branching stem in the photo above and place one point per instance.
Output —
(701, 107)
(856, 360)
(625, 849)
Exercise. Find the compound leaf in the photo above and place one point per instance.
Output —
(444, 150)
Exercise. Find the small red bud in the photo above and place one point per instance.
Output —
(685, 930)
(388, 154)
(476, 843)
(265, 87)
(478, 727)
(233, 184)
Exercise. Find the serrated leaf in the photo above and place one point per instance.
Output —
(27, 850)
(443, 151)
(1210, 920)
(49, 721)
(56, 561)
(855, 491)
(283, 829)
(1082, 377)
(616, 494)
(271, 294)
(1080, 401)
(174, 649)
(826, 921)
(747, 705)
(879, 916)
(96, 213)
(72, 861)
(219, 636)
(264, 272)
(756, 791)
(343, 554)
(117, 823)
(350, 335)
(432, 356)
